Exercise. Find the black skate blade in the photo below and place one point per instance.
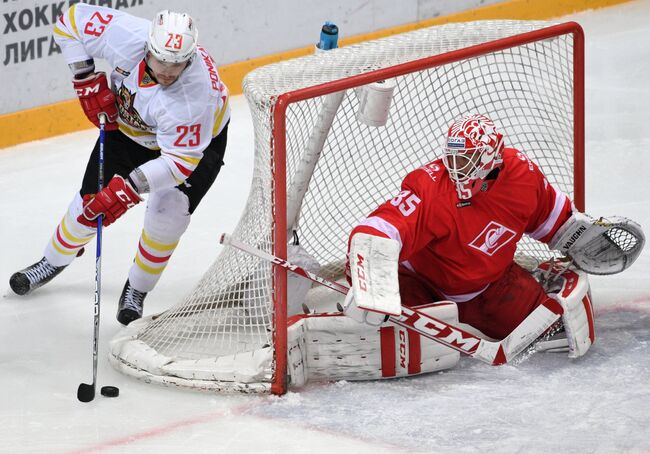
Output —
(85, 392)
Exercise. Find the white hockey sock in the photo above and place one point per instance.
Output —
(165, 222)
(69, 237)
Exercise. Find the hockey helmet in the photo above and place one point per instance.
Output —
(172, 37)
(472, 150)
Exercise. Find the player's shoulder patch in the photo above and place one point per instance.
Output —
(435, 170)
(210, 73)
(517, 160)
(431, 179)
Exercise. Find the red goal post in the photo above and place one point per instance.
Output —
(527, 76)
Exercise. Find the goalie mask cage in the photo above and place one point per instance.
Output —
(230, 334)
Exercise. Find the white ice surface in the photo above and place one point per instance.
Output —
(544, 403)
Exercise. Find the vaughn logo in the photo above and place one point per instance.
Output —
(493, 237)
(577, 234)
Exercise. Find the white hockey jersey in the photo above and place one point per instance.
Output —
(180, 120)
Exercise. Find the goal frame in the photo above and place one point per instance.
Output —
(279, 163)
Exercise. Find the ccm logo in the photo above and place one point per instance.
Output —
(493, 237)
(87, 91)
(361, 273)
(437, 329)
(124, 198)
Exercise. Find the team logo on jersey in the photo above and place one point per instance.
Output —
(493, 237)
(125, 104)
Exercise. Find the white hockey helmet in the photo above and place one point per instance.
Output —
(172, 37)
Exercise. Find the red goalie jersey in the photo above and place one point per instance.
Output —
(461, 246)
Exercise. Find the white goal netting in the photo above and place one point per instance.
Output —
(222, 337)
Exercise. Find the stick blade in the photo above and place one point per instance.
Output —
(85, 392)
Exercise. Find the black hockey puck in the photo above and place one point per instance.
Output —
(110, 391)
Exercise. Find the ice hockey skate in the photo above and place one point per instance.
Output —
(34, 276)
(130, 306)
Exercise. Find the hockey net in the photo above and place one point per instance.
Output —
(230, 333)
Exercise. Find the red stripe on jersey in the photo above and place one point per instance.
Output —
(387, 342)
(152, 258)
(562, 218)
(415, 353)
(184, 170)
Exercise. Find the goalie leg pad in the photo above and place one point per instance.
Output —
(578, 317)
(326, 347)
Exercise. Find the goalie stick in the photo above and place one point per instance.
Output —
(491, 352)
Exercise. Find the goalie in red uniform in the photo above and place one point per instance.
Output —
(445, 245)
(452, 231)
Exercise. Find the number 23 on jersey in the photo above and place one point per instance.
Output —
(97, 24)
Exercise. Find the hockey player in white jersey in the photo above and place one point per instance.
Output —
(167, 119)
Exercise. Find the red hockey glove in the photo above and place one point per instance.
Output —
(112, 202)
(96, 97)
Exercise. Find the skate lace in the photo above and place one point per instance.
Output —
(39, 272)
(133, 299)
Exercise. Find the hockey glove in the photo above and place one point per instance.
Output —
(96, 97)
(374, 295)
(112, 202)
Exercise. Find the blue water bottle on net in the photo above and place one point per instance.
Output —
(329, 36)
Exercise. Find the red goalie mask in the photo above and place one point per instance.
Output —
(472, 150)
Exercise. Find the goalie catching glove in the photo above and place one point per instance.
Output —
(111, 202)
(374, 295)
(599, 246)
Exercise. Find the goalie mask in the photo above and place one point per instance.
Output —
(472, 150)
(172, 37)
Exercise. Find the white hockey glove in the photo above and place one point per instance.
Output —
(375, 287)
(599, 246)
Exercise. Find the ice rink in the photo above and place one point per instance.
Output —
(543, 403)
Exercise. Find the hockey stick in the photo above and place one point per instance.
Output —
(491, 352)
(86, 392)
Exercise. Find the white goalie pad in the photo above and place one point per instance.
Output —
(599, 246)
(572, 292)
(373, 270)
(327, 347)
